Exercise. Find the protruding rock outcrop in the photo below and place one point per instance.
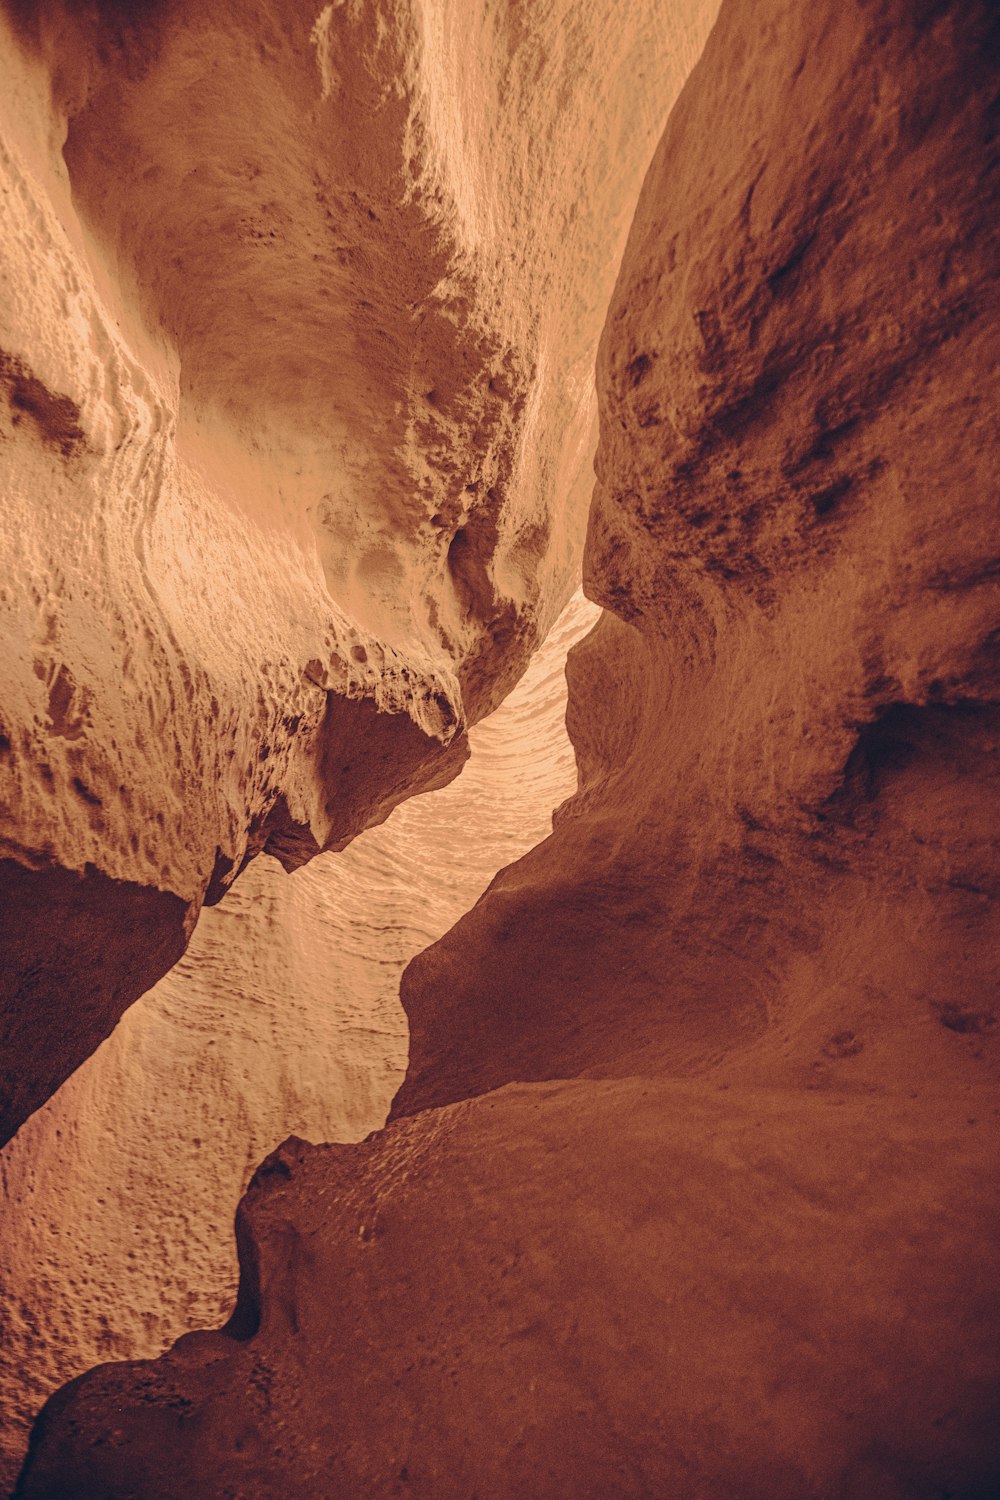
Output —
(606, 1289)
(295, 353)
(282, 1017)
(787, 725)
(691, 1189)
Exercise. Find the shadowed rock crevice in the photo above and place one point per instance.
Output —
(959, 738)
(690, 1189)
(56, 418)
(95, 928)
(291, 310)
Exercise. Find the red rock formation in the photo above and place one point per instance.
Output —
(691, 1189)
(786, 728)
(586, 1288)
(283, 1017)
(297, 354)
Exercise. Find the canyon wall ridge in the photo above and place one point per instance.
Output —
(690, 1188)
(297, 421)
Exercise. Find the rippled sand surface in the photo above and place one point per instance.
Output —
(437, 853)
(282, 1018)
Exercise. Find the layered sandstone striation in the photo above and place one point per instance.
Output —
(786, 720)
(295, 366)
(691, 1188)
(117, 1197)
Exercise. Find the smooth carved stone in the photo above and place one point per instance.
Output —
(282, 1017)
(296, 415)
(691, 1187)
(582, 1289)
(787, 729)
(108, 941)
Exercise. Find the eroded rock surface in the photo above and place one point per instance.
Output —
(295, 363)
(117, 1197)
(787, 723)
(630, 1288)
(691, 1188)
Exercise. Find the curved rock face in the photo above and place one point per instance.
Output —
(296, 419)
(691, 1186)
(786, 729)
(599, 1289)
(283, 1017)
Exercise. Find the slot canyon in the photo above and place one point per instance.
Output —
(499, 725)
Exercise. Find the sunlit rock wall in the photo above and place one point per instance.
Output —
(691, 1189)
(786, 722)
(117, 1198)
(296, 355)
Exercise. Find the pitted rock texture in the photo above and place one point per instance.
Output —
(297, 415)
(621, 1289)
(787, 723)
(283, 1017)
(691, 1187)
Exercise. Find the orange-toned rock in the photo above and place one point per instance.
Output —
(691, 1188)
(607, 1289)
(787, 729)
(282, 1017)
(295, 360)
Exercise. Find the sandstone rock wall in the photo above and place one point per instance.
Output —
(787, 722)
(691, 1186)
(297, 418)
(606, 1288)
(117, 1197)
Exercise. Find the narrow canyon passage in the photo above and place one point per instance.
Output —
(661, 1163)
(299, 352)
(282, 1018)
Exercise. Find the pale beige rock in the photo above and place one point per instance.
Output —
(691, 1188)
(297, 355)
(117, 1197)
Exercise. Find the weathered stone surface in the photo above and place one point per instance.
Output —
(787, 728)
(300, 313)
(691, 1187)
(117, 1197)
(610, 1289)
